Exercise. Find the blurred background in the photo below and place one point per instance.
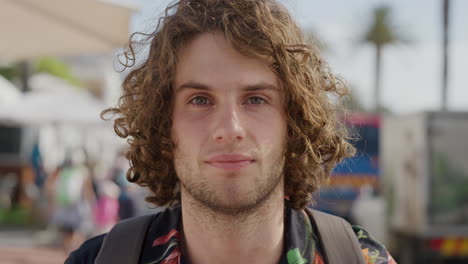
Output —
(62, 168)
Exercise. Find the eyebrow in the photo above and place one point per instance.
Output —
(249, 88)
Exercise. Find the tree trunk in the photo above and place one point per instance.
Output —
(25, 73)
(378, 65)
(445, 54)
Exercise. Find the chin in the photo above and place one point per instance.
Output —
(234, 201)
(230, 207)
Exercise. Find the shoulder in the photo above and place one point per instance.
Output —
(87, 252)
(374, 252)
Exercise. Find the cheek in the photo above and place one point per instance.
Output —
(187, 135)
(270, 133)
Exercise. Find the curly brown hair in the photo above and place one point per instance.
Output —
(316, 140)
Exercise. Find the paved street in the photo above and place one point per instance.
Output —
(30, 255)
(28, 247)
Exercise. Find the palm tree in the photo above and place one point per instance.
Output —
(380, 33)
(445, 55)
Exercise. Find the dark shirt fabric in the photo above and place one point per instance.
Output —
(126, 206)
(87, 252)
(162, 242)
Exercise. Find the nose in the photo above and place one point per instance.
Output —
(228, 126)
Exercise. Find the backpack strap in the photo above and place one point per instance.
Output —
(124, 241)
(337, 238)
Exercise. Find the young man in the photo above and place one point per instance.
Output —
(230, 124)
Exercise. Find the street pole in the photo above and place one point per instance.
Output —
(445, 53)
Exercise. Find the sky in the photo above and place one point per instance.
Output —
(411, 72)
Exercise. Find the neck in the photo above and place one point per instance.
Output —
(255, 237)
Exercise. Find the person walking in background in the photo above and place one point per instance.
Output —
(106, 210)
(70, 197)
(127, 208)
(38, 166)
(126, 203)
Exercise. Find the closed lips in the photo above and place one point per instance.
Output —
(229, 158)
(230, 161)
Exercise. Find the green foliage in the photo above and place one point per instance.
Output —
(15, 216)
(381, 31)
(9, 72)
(56, 68)
(47, 65)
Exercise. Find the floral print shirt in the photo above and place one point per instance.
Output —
(162, 243)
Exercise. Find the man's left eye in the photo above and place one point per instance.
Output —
(256, 100)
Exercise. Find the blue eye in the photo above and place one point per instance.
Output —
(256, 100)
(200, 100)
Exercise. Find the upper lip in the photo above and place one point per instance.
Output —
(229, 158)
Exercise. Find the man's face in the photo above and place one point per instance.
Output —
(229, 126)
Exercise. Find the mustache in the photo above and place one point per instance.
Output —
(230, 150)
(246, 153)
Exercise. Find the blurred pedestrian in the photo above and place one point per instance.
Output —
(70, 191)
(126, 204)
(38, 166)
(126, 200)
(106, 211)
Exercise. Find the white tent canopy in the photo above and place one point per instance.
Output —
(35, 28)
(52, 100)
(8, 92)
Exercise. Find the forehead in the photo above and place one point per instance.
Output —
(210, 59)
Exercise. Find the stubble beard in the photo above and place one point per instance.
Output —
(207, 199)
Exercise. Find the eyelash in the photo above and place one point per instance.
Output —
(206, 98)
(198, 97)
(257, 97)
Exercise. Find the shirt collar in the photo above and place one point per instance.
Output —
(162, 244)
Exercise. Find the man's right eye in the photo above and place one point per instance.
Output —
(200, 100)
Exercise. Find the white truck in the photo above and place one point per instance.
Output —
(424, 169)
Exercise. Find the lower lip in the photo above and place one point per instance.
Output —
(230, 165)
